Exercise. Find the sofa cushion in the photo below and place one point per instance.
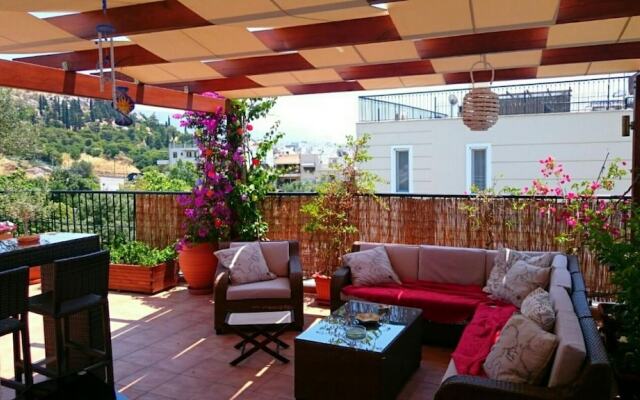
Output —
(560, 261)
(571, 351)
(505, 258)
(521, 279)
(522, 353)
(245, 263)
(403, 257)
(538, 308)
(451, 265)
(276, 254)
(370, 267)
(451, 371)
(560, 299)
(445, 303)
(479, 336)
(560, 277)
(278, 288)
(490, 258)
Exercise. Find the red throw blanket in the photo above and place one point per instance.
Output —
(444, 303)
(478, 337)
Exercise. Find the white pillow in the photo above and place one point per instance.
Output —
(370, 267)
(538, 308)
(246, 264)
(505, 259)
(521, 279)
(522, 353)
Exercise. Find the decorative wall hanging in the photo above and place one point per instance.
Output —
(123, 105)
(481, 106)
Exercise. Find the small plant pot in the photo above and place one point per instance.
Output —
(6, 235)
(34, 275)
(323, 288)
(198, 264)
(25, 240)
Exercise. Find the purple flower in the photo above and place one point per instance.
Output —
(244, 198)
(190, 213)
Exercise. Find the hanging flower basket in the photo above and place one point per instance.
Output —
(481, 106)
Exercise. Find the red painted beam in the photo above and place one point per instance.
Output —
(34, 77)
(589, 10)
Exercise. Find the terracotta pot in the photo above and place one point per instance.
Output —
(6, 235)
(323, 288)
(34, 275)
(26, 240)
(198, 264)
(139, 279)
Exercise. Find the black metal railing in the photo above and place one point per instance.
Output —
(566, 96)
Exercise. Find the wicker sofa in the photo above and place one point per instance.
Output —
(472, 267)
(282, 293)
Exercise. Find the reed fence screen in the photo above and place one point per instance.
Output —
(157, 219)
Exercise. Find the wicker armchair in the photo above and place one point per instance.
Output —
(283, 293)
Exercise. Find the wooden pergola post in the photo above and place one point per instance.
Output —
(635, 152)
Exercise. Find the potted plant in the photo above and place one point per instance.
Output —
(331, 213)
(6, 230)
(137, 267)
(224, 202)
(25, 207)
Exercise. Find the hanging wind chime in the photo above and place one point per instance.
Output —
(121, 102)
(481, 106)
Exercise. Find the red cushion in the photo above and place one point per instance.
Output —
(478, 337)
(445, 303)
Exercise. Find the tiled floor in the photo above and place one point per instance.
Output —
(165, 348)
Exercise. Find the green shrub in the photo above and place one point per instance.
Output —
(139, 253)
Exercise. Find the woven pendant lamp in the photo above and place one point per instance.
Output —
(480, 107)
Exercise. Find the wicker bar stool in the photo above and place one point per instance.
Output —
(14, 292)
(79, 284)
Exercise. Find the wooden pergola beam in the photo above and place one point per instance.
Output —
(53, 80)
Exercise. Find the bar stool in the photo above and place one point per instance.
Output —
(78, 284)
(14, 292)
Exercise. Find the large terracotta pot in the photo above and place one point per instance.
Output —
(198, 264)
(323, 288)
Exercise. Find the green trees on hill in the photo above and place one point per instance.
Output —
(42, 127)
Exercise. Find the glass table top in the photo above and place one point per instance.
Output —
(332, 330)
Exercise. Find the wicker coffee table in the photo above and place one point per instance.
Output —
(330, 366)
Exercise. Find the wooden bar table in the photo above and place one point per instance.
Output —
(85, 327)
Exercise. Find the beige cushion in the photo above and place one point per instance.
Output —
(451, 265)
(278, 288)
(521, 279)
(370, 267)
(506, 258)
(538, 308)
(560, 261)
(276, 254)
(560, 277)
(451, 371)
(522, 352)
(404, 259)
(560, 299)
(571, 351)
(490, 258)
(246, 263)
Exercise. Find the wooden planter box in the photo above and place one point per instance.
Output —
(148, 280)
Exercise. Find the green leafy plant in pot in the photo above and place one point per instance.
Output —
(332, 213)
(139, 267)
(24, 207)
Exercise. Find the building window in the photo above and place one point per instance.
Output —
(175, 154)
(478, 167)
(401, 171)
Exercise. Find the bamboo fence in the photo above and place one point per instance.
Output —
(436, 220)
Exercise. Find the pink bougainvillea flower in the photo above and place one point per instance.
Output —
(249, 127)
(255, 162)
(572, 196)
(571, 222)
(595, 185)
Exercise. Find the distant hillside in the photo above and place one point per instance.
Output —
(39, 127)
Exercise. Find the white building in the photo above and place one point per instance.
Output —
(442, 156)
(181, 151)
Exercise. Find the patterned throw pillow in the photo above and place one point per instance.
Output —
(522, 353)
(521, 279)
(370, 267)
(538, 308)
(507, 258)
(246, 264)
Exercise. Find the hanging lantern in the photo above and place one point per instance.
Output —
(481, 106)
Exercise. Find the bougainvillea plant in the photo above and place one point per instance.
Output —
(224, 202)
